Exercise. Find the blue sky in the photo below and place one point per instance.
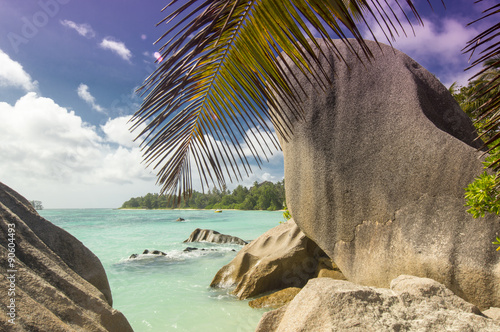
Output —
(68, 71)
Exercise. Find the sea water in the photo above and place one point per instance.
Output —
(169, 293)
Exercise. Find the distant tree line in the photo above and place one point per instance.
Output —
(264, 196)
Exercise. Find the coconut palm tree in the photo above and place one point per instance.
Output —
(477, 93)
(207, 102)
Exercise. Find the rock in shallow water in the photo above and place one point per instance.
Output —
(412, 304)
(148, 252)
(208, 235)
(280, 258)
(59, 284)
(376, 175)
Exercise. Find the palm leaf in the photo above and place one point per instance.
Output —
(485, 99)
(220, 74)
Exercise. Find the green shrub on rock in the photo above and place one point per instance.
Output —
(481, 196)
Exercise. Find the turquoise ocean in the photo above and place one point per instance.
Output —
(169, 293)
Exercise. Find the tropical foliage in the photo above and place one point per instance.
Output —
(480, 91)
(482, 196)
(263, 196)
(223, 67)
(482, 103)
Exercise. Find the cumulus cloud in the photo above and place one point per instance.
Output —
(83, 29)
(44, 140)
(83, 92)
(437, 45)
(442, 42)
(117, 131)
(12, 74)
(116, 47)
(49, 153)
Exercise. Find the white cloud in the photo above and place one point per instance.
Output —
(117, 130)
(443, 43)
(83, 92)
(12, 74)
(83, 29)
(117, 47)
(461, 78)
(49, 153)
(437, 46)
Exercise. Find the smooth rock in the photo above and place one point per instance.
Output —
(208, 235)
(493, 313)
(376, 175)
(412, 304)
(275, 300)
(280, 258)
(59, 284)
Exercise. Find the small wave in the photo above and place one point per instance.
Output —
(178, 255)
(222, 294)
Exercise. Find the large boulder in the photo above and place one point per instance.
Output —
(208, 235)
(280, 258)
(55, 282)
(376, 175)
(412, 304)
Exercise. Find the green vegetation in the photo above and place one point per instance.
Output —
(263, 196)
(479, 100)
(482, 196)
(286, 214)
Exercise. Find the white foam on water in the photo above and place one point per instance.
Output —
(177, 255)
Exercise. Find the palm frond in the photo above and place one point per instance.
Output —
(220, 73)
(485, 98)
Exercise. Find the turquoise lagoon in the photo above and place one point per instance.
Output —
(168, 293)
